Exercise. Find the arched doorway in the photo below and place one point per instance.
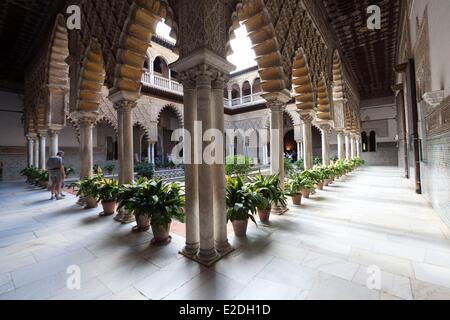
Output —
(168, 121)
(290, 145)
(316, 142)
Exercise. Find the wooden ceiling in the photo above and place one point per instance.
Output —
(370, 53)
(23, 25)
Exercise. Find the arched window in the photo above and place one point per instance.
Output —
(146, 65)
(365, 142)
(246, 89)
(235, 91)
(160, 66)
(372, 142)
(257, 86)
(109, 148)
(225, 93)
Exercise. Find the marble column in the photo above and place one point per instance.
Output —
(307, 119)
(299, 150)
(36, 152)
(358, 146)
(276, 103)
(266, 154)
(207, 251)
(190, 169)
(120, 145)
(220, 211)
(42, 153)
(30, 151)
(341, 145)
(149, 152)
(352, 146)
(86, 145)
(326, 133)
(54, 146)
(347, 146)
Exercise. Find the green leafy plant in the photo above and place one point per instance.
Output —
(288, 166)
(269, 188)
(88, 187)
(159, 201)
(242, 202)
(144, 169)
(300, 164)
(109, 168)
(296, 183)
(238, 165)
(317, 161)
(107, 189)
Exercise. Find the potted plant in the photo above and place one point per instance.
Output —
(88, 191)
(241, 202)
(107, 191)
(292, 189)
(310, 177)
(109, 168)
(269, 188)
(127, 192)
(238, 165)
(158, 201)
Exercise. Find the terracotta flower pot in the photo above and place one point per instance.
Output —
(320, 185)
(161, 234)
(109, 207)
(142, 223)
(90, 203)
(264, 214)
(327, 182)
(297, 199)
(240, 227)
(306, 193)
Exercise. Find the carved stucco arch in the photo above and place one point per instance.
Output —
(323, 101)
(57, 75)
(175, 110)
(92, 78)
(338, 79)
(140, 26)
(256, 18)
(302, 83)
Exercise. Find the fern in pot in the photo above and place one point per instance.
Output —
(88, 190)
(272, 194)
(108, 191)
(242, 203)
(158, 203)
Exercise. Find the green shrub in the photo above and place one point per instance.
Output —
(144, 169)
(238, 165)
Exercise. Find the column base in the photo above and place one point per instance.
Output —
(207, 260)
(190, 249)
(224, 247)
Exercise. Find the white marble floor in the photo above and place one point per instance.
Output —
(369, 236)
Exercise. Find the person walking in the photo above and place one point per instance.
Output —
(55, 166)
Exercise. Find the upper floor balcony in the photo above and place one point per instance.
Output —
(234, 97)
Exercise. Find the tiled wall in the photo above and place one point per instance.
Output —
(435, 174)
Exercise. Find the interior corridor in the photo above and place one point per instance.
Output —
(326, 249)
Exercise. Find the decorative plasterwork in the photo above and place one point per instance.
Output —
(422, 57)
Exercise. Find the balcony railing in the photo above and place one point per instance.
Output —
(152, 80)
(156, 81)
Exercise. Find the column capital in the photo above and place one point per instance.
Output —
(325, 127)
(86, 116)
(42, 133)
(124, 105)
(31, 136)
(307, 116)
(277, 100)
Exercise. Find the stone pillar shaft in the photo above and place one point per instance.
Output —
(42, 154)
(299, 150)
(30, 151)
(86, 147)
(190, 170)
(326, 132)
(277, 140)
(120, 145)
(347, 146)
(36, 153)
(207, 250)
(54, 145)
(220, 215)
(352, 146)
(307, 142)
(341, 145)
